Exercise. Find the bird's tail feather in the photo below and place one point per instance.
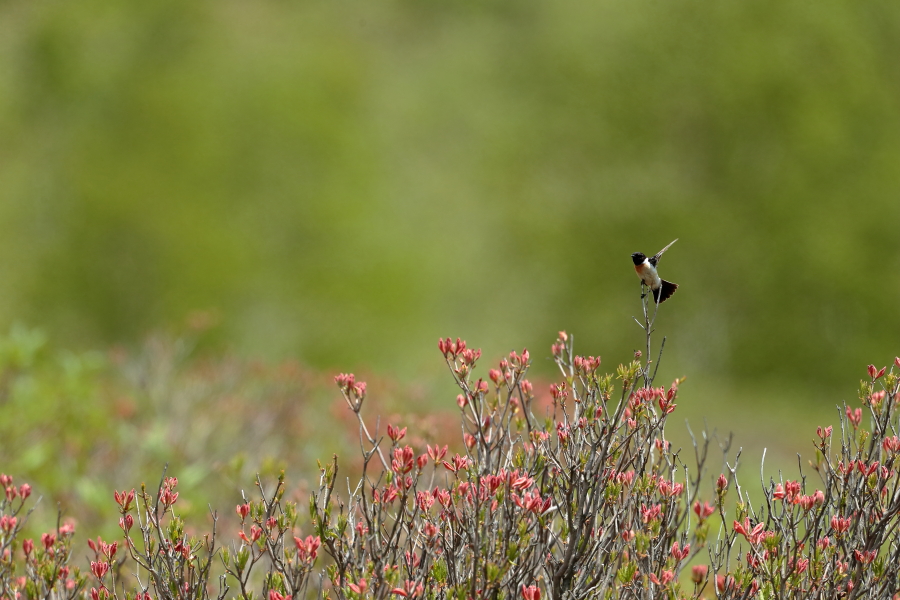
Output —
(664, 292)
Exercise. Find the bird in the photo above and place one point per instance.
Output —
(646, 270)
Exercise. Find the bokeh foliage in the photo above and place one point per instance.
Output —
(344, 182)
(347, 181)
(78, 425)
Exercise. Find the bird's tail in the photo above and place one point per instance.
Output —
(664, 292)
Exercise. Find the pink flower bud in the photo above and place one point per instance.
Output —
(532, 592)
(99, 568)
(395, 433)
(126, 523)
(430, 530)
(698, 573)
(872, 371)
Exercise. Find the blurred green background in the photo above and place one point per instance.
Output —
(341, 183)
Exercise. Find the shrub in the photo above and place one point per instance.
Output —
(580, 498)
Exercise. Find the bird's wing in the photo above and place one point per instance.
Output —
(660, 253)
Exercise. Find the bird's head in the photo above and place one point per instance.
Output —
(638, 258)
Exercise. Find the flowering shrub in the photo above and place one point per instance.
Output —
(583, 497)
(42, 569)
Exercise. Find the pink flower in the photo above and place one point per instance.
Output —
(167, 496)
(360, 587)
(308, 549)
(436, 454)
(839, 524)
(723, 583)
(99, 568)
(522, 483)
(459, 462)
(403, 460)
(410, 589)
(680, 554)
(891, 444)
(703, 511)
(7, 523)
(650, 514)
(126, 523)
(532, 592)
(558, 391)
(754, 535)
(48, 539)
(698, 573)
(778, 494)
(395, 433)
(124, 499)
(874, 373)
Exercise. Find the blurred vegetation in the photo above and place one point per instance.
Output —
(79, 425)
(344, 182)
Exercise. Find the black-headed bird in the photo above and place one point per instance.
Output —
(646, 270)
